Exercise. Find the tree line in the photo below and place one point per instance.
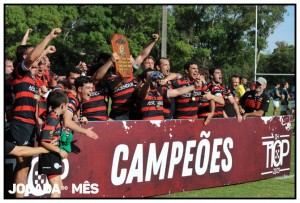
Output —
(211, 35)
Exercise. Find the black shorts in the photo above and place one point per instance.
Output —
(22, 133)
(50, 163)
(8, 147)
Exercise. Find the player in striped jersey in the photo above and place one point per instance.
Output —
(51, 163)
(186, 106)
(120, 91)
(206, 108)
(84, 87)
(44, 82)
(151, 94)
(24, 118)
(143, 59)
(122, 97)
(231, 108)
(68, 83)
(163, 65)
(216, 91)
(95, 109)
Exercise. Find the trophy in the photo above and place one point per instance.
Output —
(120, 46)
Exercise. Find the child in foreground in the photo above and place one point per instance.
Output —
(51, 163)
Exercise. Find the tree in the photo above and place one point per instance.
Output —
(223, 34)
(282, 60)
(211, 35)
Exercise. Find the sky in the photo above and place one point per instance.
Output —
(285, 31)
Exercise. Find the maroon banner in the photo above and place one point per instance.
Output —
(148, 158)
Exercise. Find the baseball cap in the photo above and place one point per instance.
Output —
(261, 80)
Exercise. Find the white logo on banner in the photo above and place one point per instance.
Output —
(163, 161)
(38, 183)
(85, 188)
(276, 150)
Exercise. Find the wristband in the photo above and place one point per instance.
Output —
(135, 66)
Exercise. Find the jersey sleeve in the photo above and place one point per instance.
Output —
(49, 129)
(73, 104)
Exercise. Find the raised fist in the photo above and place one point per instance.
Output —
(155, 37)
(51, 49)
(54, 33)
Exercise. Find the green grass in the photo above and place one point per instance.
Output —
(279, 187)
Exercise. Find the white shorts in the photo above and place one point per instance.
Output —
(276, 103)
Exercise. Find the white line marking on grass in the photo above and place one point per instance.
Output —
(284, 177)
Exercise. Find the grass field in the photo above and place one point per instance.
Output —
(279, 187)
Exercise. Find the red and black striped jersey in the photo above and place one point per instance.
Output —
(51, 77)
(73, 105)
(95, 109)
(169, 103)
(122, 96)
(24, 89)
(186, 106)
(204, 108)
(41, 81)
(151, 107)
(48, 79)
(217, 90)
(42, 107)
(226, 92)
(51, 128)
(42, 102)
(250, 102)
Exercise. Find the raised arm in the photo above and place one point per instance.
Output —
(48, 50)
(38, 50)
(99, 74)
(26, 37)
(140, 58)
